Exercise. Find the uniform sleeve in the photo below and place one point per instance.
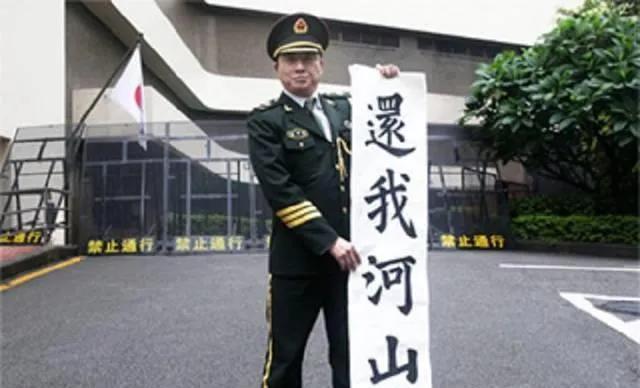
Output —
(286, 198)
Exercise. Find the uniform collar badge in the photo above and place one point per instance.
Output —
(297, 134)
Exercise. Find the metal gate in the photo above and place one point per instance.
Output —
(184, 194)
(174, 197)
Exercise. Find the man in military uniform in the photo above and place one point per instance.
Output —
(299, 147)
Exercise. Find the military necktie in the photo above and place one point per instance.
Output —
(311, 105)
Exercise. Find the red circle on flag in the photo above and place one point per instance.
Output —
(138, 96)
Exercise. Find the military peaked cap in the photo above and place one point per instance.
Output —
(297, 33)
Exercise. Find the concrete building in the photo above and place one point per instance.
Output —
(205, 64)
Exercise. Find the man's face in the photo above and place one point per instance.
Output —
(299, 72)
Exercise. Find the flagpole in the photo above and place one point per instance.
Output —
(71, 178)
(124, 61)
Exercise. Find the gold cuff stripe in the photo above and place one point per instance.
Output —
(297, 44)
(290, 209)
(304, 219)
(299, 213)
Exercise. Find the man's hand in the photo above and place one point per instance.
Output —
(388, 71)
(345, 254)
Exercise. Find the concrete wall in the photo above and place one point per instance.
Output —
(233, 43)
(514, 21)
(31, 64)
(198, 29)
(92, 54)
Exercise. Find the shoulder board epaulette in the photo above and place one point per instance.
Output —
(267, 105)
(337, 95)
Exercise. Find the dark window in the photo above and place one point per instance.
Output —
(477, 50)
(458, 47)
(425, 44)
(389, 40)
(365, 35)
(443, 45)
(462, 46)
(351, 35)
(370, 37)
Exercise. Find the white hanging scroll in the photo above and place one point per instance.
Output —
(388, 293)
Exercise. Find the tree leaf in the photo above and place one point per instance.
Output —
(507, 120)
(565, 123)
(556, 117)
(619, 126)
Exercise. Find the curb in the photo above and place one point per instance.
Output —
(34, 260)
(579, 248)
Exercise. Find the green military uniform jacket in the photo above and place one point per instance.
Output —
(300, 175)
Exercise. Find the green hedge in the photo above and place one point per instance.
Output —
(212, 224)
(578, 228)
(565, 205)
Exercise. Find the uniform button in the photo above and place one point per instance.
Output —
(338, 167)
(342, 188)
(301, 144)
(344, 209)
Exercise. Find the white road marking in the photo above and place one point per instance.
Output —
(571, 268)
(630, 329)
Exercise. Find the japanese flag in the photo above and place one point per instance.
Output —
(129, 93)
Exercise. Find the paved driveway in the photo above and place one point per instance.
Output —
(198, 321)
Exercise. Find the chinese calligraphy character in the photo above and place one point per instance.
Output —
(146, 244)
(236, 242)
(267, 240)
(497, 241)
(129, 245)
(394, 272)
(34, 237)
(464, 241)
(5, 238)
(94, 247)
(389, 126)
(448, 241)
(112, 247)
(217, 243)
(19, 237)
(183, 244)
(200, 244)
(480, 241)
(398, 202)
(411, 367)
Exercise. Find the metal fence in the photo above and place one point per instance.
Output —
(191, 191)
(32, 191)
(186, 192)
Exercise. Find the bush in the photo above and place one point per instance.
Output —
(552, 205)
(216, 224)
(577, 228)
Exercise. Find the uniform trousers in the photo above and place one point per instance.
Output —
(293, 305)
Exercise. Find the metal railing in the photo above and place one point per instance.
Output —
(33, 172)
(193, 188)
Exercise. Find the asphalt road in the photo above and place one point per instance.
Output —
(198, 321)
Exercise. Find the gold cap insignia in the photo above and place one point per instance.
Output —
(300, 26)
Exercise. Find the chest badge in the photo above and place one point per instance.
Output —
(297, 134)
